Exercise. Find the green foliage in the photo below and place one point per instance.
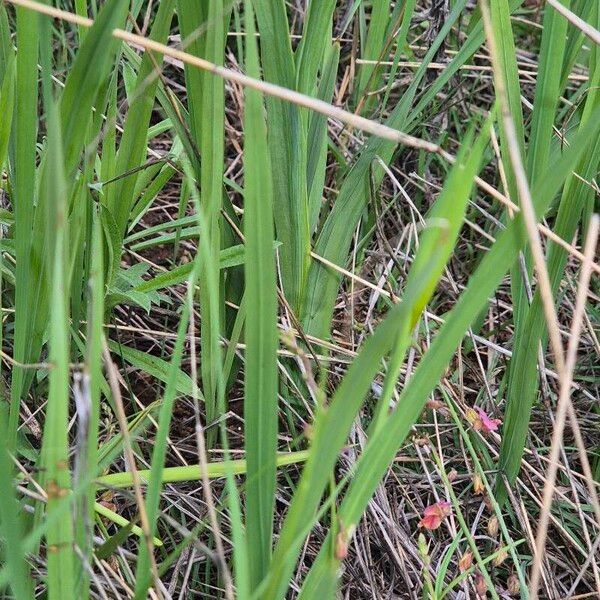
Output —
(261, 379)
(530, 326)
(103, 228)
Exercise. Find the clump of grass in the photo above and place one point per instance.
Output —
(288, 250)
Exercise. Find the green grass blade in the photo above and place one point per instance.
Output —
(408, 10)
(260, 373)
(287, 147)
(238, 534)
(318, 137)
(207, 106)
(508, 59)
(193, 18)
(143, 575)
(215, 470)
(468, 48)
(55, 447)
(374, 45)
(11, 526)
(111, 515)
(6, 43)
(153, 365)
(503, 33)
(547, 91)
(382, 447)
(522, 384)
(336, 234)
(87, 386)
(25, 132)
(310, 54)
(500, 14)
(234, 256)
(436, 245)
(575, 38)
(90, 70)
(7, 102)
(132, 149)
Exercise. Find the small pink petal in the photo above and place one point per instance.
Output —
(487, 423)
(434, 515)
(431, 522)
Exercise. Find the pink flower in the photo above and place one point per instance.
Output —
(481, 421)
(487, 424)
(434, 515)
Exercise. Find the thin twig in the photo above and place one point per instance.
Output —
(201, 447)
(334, 112)
(582, 25)
(545, 288)
(564, 400)
(113, 382)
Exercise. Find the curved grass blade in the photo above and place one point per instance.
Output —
(153, 365)
(132, 149)
(89, 72)
(468, 48)
(382, 447)
(334, 421)
(127, 526)
(435, 248)
(336, 234)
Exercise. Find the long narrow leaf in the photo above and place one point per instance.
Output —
(260, 379)
(334, 422)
